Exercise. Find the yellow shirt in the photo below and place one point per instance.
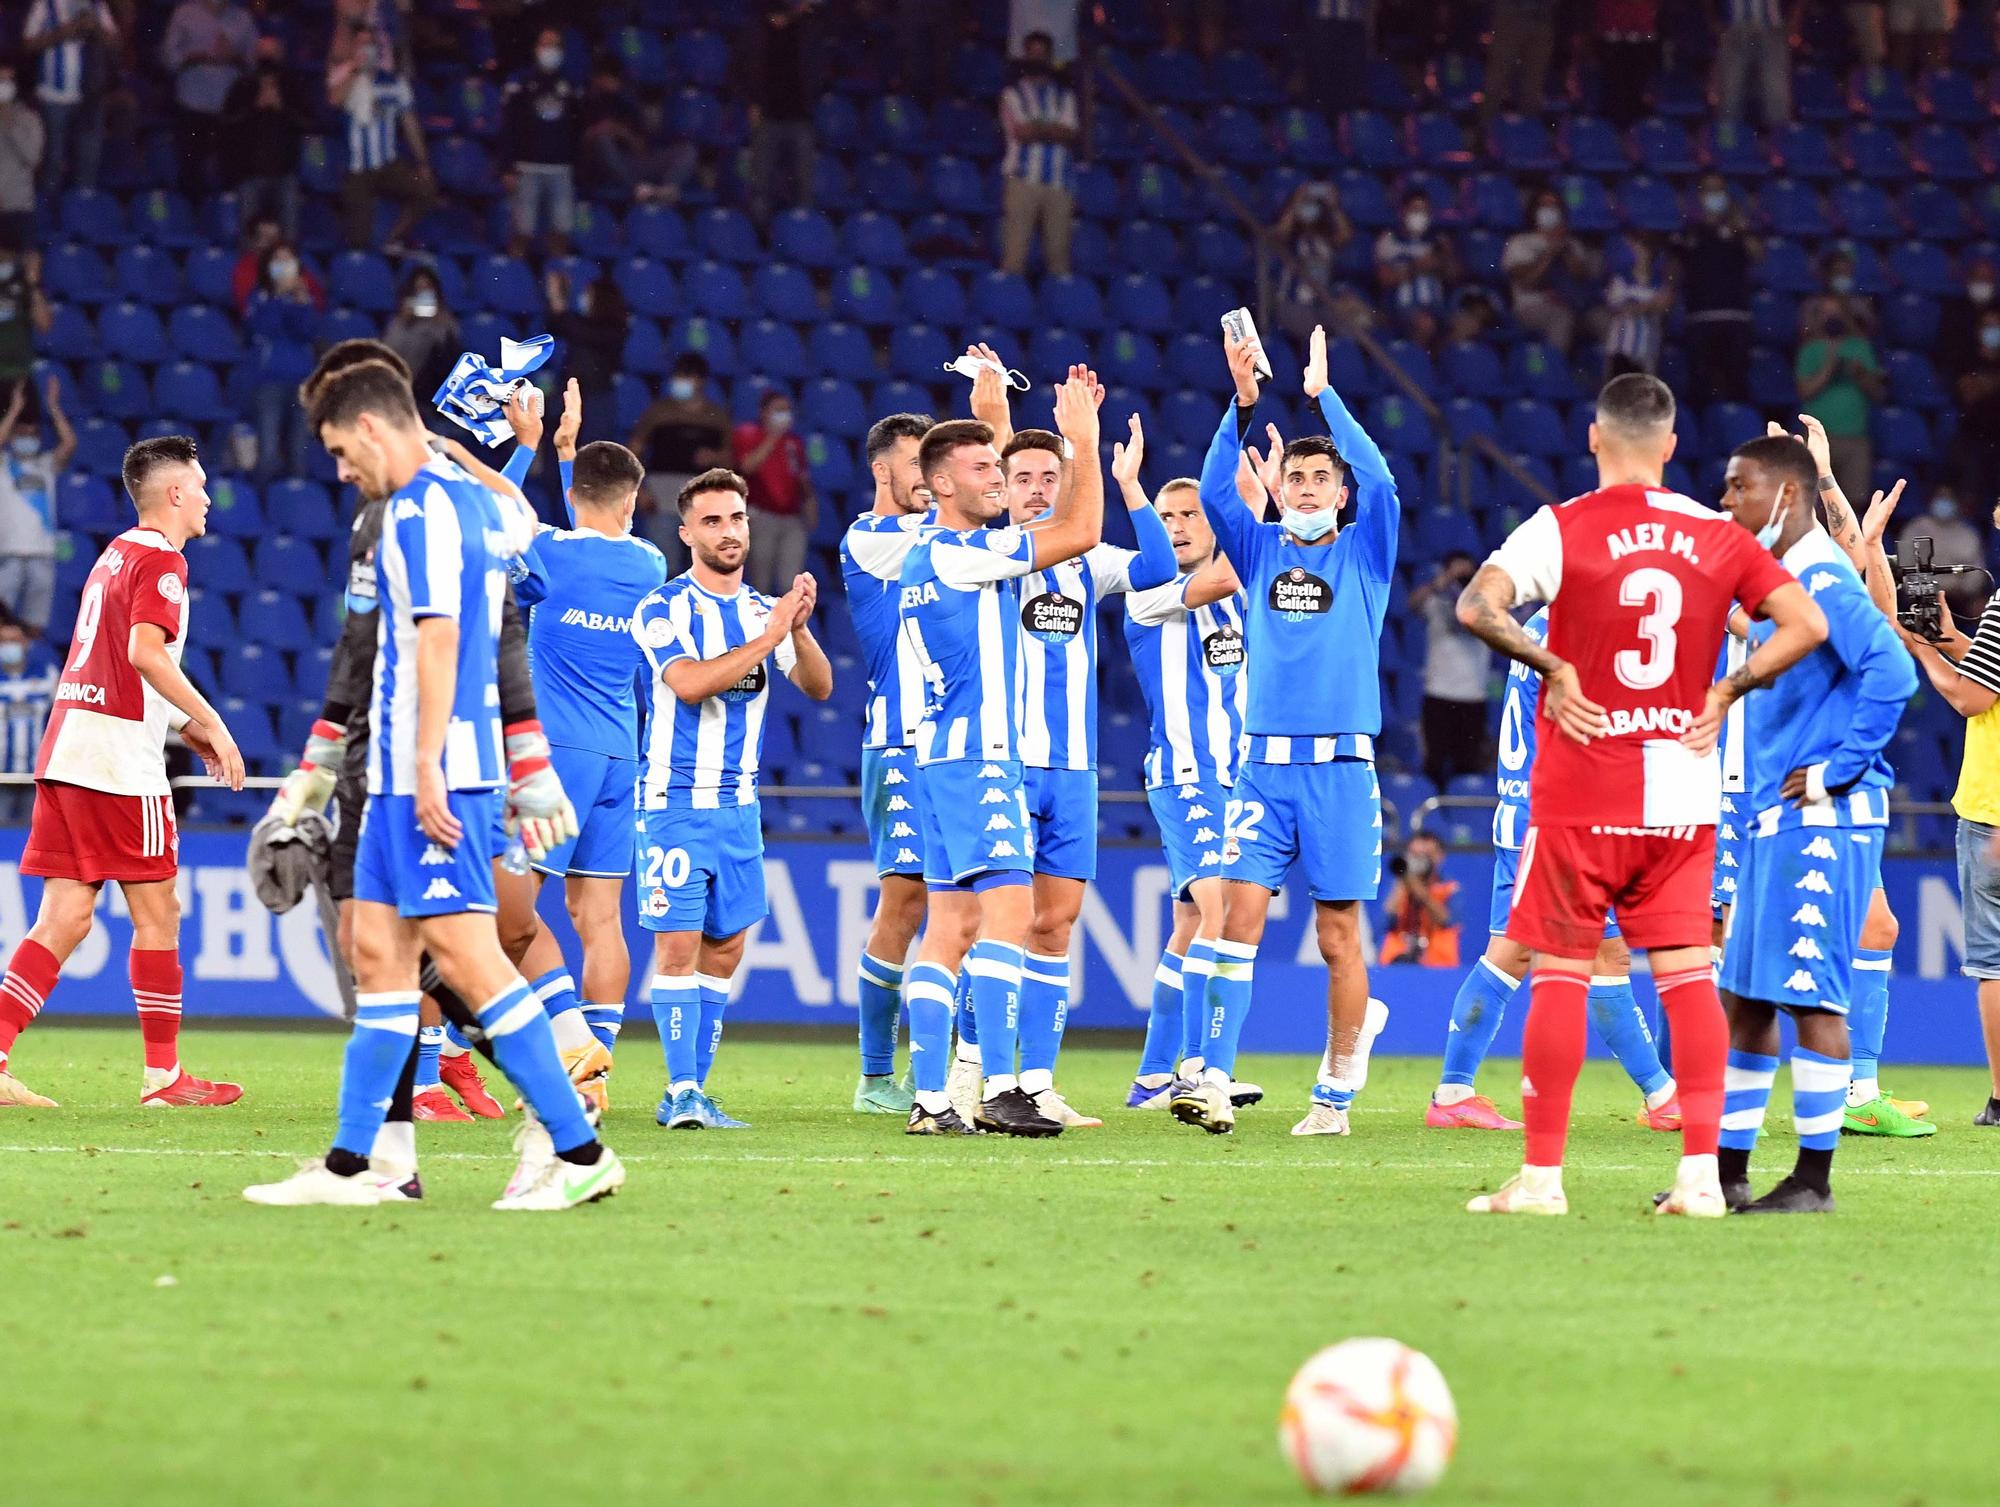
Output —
(1977, 798)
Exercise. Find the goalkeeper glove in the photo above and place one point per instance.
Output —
(538, 810)
(310, 786)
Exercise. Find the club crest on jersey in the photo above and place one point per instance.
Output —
(1222, 651)
(1004, 541)
(1052, 617)
(1231, 849)
(1297, 594)
(656, 904)
(171, 588)
(750, 686)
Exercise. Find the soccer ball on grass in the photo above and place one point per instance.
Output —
(1369, 1415)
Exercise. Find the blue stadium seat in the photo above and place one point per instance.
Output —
(784, 293)
(1493, 200)
(70, 335)
(650, 289)
(716, 289)
(889, 184)
(1162, 193)
(1944, 153)
(1130, 359)
(1373, 142)
(1952, 98)
(1189, 419)
(100, 446)
(1664, 146)
(274, 619)
(1866, 210)
(1785, 267)
(362, 280)
(898, 123)
(1149, 244)
(1899, 433)
(1727, 425)
(960, 187)
(1072, 301)
(1935, 212)
(1437, 142)
(1140, 300)
(235, 510)
(147, 275)
(290, 503)
(504, 285)
(1466, 418)
(629, 398)
(875, 240)
(1522, 144)
(1531, 425)
(216, 564)
(1589, 205)
(832, 406)
(1590, 145)
(1539, 370)
(1306, 140)
(1874, 152)
(1772, 380)
(1910, 319)
(352, 324)
(1735, 149)
(93, 216)
(865, 296)
(918, 352)
(116, 388)
(1882, 94)
(77, 274)
(1222, 250)
(204, 334)
(463, 167)
(1819, 96)
(1365, 200)
(1923, 267)
(641, 55)
(87, 505)
(1793, 208)
(645, 350)
(899, 397)
(1647, 203)
(728, 235)
(1803, 150)
(831, 459)
(773, 348)
(1054, 350)
(841, 350)
(250, 670)
(712, 339)
(187, 391)
(1003, 298)
(1238, 138)
(476, 105)
(1192, 361)
(1914, 382)
(657, 231)
(1397, 424)
(805, 236)
(1472, 370)
(1774, 316)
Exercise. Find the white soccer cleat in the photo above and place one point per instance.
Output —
(397, 1181)
(564, 1185)
(1205, 1104)
(1515, 1197)
(1322, 1119)
(313, 1184)
(1243, 1095)
(534, 1151)
(1696, 1196)
(1054, 1107)
(963, 1086)
(14, 1091)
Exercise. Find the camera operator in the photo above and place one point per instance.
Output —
(1418, 927)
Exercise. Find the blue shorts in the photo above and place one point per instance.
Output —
(1730, 834)
(1328, 816)
(1191, 819)
(1062, 803)
(1801, 897)
(975, 820)
(889, 807)
(396, 864)
(602, 787)
(701, 870)
(1506, 862)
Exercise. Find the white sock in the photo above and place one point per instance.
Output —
(572, 1031)
(1215, 1075)
(1661, 1094)
(997, 1085)
(160, 1077)
(1452, 1093)
(933, 1101)
(966, 1051)
(1191, 1067)
(1544, 1182)
(1861, 1090)
(451, 1048)
(1037, 1079)
(684, 1084)
(1696, 1172)
(1153, 1080)
(395, 1146)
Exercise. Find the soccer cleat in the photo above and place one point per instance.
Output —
(1916, 1109)
(1990, 1115)
(1790, 1197)
(400, 1185)
(945, 1122)
(1476, 1113)
(1880, 1116)
(680, 1111)
(718, 1118)
(1694, 1200)
(188, 1091)
(1514, 1197)
(1243, 1095)
(962, 1085)
(313, 1184)
(533, 1151)
(434, 1104)
(1156, 1097)
(882, 1095)
(1054, 1107)
(1013, 1113)
(1666, 1117)
(460, 1074)
(1205, 1104)
(14, 1091)
(565, 1185)
(1324, 1118)
(589, 1068)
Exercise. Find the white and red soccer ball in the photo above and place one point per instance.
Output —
(1369, 1415)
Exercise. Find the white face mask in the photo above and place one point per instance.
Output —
(970, 366)
(682, 388)
(781, 419)
(549, 57)
(27, 446)
(1548, 217)
(1307, 528)
(1417, 221)
(13, 656)
(1979, 292)
(8, 89)
(1767, 536)
(1841, 282)
(283, 269)
(423, 305)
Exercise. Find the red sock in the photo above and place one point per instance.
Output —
(156, 989)
(1551, 1057)
(1700, 1051)
(31, 977)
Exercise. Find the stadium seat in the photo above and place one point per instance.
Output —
(918, 352)
(204, 334)
(1072, 301)
(1865, 210)
(147, 275)
(784, 292)
(715, 288)
(960, 187)
(806, 236)
(868, 297)
(1149, 244)
(1589, 205)
(100, 446)
(216, 564)
(235, 510)
(187, 392)
(773, 348)
(77, 274)
(1004, 299)
(1664, 146)
(875, 240)
(1531, 425)
(504, 285)
(1910, 319)
(70, 336)
(651, 290)
(1793, 208)
(1774, 316)
(841, 350)
(1944, 154)
(1874, 152)
(274, 620)
(1539, 371)
(1914, 382)
(1899, 431)
(116, 388)
(1130, 359)
(1590, 145)
(362, 280)
(94, 217)
(1937, 212)
(1952, 98)
(1140, 301)
(1923, 267)
(1802, 149)
(656, 231)
(833, 407)
(1522, 144)
(1472, 370)
(292, 502)
(1492, 200)
(1650, 204)
(712, 339)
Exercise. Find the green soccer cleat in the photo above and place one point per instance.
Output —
(1880, 1116)
(882, 1096)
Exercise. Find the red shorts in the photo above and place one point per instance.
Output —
(92, 835)
(1656, 878)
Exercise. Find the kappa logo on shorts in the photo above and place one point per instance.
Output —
(1297, 594)
(904, 855)
(1196, 813)
(895, 777)
(1728, 885)
(991, 772)
(902, 829)
(1190, 792)
(1206, 834)
(1728, 861)
(1808, 949)
(898, 803)
(1800, 981)
(1212, 860)
(1815, 881)
(998, 822)
(1808, 914)
(1727, 834)
(1003, 849)
(1819, 847)
(440, 888)
(993, 798)
(434, 856)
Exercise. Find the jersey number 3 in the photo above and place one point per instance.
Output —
(1659, 593)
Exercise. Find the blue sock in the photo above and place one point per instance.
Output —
(1746, 1090)
(961, 1008)
(430, 1047)
(1163, 1020)
(995, 970)
(1475, 1020)
(714, 999)
(1868, 1013)
(1197, 978)
(677, 1014)
(457, 1038)
(1614, 1010)
(376, 1051)
(604, 1021)
(1044, 1011)
(1228, 1004)
(881, 1004)
(1819, 1098)
(928, 993)
(524, 1048)
(557, 992)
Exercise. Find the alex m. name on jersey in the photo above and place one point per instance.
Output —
(1640, 536)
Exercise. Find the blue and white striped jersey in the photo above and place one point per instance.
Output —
(1730, 744)
(27, 696)
(1190, 667)
(374, 133)
(584, 586)
(960, 609)
(1041, 101)
(442, 553)
(872, 552)
(1059, 655)
(62, 64)
(1516, 761)
(704, 756)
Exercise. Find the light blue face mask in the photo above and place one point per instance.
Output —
(1767, 536)
(1308, 528)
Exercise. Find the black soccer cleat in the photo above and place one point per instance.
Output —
(1990, 1115)
(945, 1122)
(1014, 1113)
(1790, 1197)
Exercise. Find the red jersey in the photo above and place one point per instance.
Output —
(108, 731)
(1639, 582)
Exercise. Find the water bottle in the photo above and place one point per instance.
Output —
(515, 859)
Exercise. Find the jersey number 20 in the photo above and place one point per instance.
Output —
(1659, 593)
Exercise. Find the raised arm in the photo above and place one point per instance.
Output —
(1078, 522)
(989, 396)
(809, 669)
(1378, 512)
(1229, 515)
(1155, 564)
(1214, 582)
(1849, 531)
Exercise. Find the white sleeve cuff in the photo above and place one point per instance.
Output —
(176, 718)
(1816, 782)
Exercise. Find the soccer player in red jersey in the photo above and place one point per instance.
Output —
(1627, 786)
(103, 809)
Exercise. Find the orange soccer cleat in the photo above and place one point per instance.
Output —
(1476, 1113)
(1666, 1117)
(190, 1091)
(434, 1104)
(460, 1074)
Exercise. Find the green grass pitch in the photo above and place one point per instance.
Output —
(824, 1311)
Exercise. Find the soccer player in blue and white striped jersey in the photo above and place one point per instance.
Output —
(1187, 647)
(709, 642)
(871, 563)
(961, 607)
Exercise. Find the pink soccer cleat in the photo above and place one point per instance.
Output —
(434, 1104)
(1666, 1117)
(190, 1091)
(461, 1075)
(1476, 1113)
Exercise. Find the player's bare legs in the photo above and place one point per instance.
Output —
(1045, 993)
(899, 914)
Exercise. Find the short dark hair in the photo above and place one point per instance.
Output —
(146, 457)
(1784, 457)
(1315, 444)
(691, 364)
(1636, 403)
(1038, 36)
(370, 387)
(942, 439)
(345, 353)
(604, 472)
(884, 433)
(1032, 439)
(714, 479)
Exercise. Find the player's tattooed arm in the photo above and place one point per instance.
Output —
(1484, 611)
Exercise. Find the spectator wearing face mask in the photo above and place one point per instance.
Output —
(1954, 541)
(1957, 345)
(1838, 379)
(425, 333)
(770, 456)
(21, 142)
(1414, 267)
(540, 111)
(1315, 231)
(28, 480)
(1546, 269)
(678, 437)
(1715, 255)
(282, 320)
